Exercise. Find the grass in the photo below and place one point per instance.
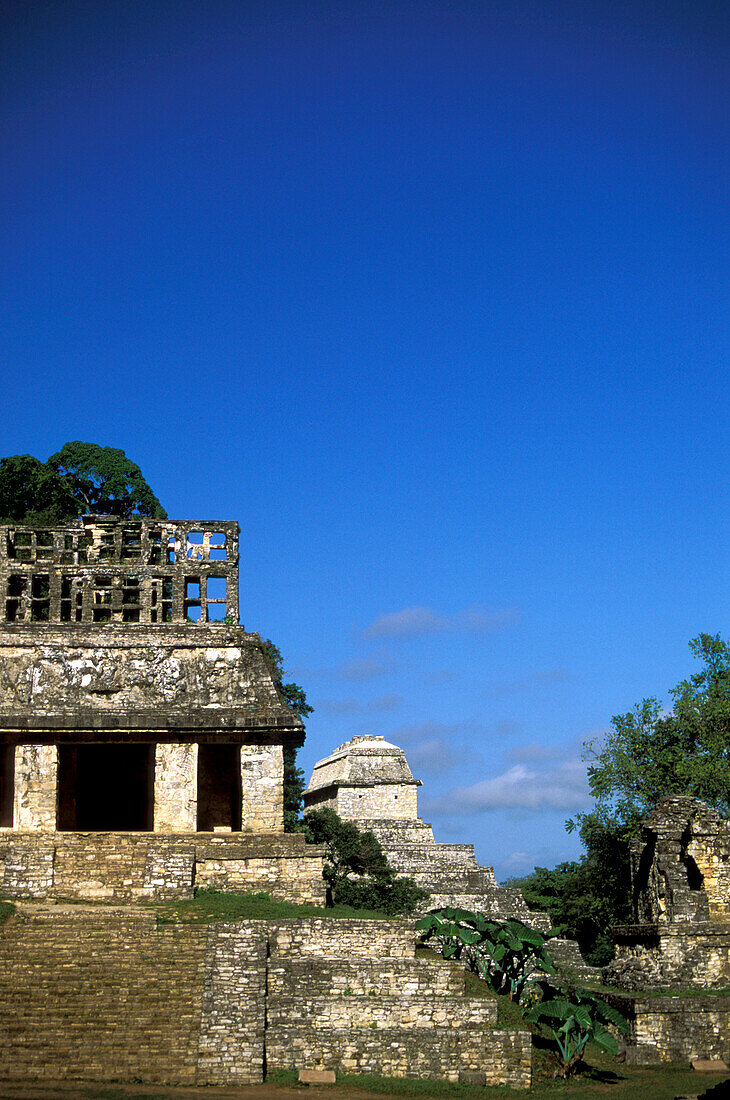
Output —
(210, 905)
(6, 910)
(601, 1080)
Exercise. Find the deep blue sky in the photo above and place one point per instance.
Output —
(433, 298)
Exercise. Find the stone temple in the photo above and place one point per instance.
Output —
(141, 731)
(367, 780)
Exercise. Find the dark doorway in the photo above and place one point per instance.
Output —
(106, 788)
(219, 787)
(7, 784)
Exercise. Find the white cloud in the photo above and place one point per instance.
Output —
(435, 756)
(365, 668)
(560, 786)
(421, 621)
(535, 752)
(422, 731)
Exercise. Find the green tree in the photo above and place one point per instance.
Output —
(103, 479)
(588, 896)
(296, 699)
(356, 869)
(80, 478)
(31, 492)
(648, 753)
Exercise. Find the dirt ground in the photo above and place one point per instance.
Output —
(78, 1090)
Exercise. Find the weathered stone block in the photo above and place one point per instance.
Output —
(317, 1077)
(36, 777)
(176, 801)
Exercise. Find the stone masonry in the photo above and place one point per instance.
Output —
(133, 704)
(680, 869)
(104, 993)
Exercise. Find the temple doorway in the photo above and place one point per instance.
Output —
(219, 787)
(106, 788)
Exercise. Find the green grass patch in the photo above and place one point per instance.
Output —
(600, 1080)
(6, 910)
(213, 905)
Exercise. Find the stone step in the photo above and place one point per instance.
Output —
(498, 903)
(405, 1011)
(317, 937)
(365, 977)
(503, 1056)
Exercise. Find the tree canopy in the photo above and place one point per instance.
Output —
(648, 753)
(78, 479)
(103, 479)
(356, 868)
(31, 492)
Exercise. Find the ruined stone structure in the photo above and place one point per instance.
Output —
(105, 993)
(133, 705)
(680, 869)
(367, 780)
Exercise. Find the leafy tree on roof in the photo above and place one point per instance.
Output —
(31, 492)
(103, 479)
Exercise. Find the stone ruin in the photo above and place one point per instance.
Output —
(141, 731)
(677, 951)
(141, 756)
(680, 874)
(367, 780)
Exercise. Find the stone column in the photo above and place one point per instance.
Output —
(262, 788)
(176, 788)
(36, 780)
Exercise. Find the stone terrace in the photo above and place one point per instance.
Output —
(103, 993)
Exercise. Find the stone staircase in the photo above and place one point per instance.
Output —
(453, 877)
(364, 1003)
(99, 993)
(103, 993)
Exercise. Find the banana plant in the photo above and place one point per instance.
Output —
(576, 1018)
(504, 953)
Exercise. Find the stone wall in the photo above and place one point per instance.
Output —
(100, 569)
(103, 993)
(352, 996)
(149, 866)
(46, 670)
(392, 801)
(90, 995)
(676, 1029)
(262, 788)
(656, 957)
(680, 864)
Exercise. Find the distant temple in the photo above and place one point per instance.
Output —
(132, 704)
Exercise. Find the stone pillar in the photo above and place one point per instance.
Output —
(262, 788)
(176, 788)
(36, 778)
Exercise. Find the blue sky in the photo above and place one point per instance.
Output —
(431, 297)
